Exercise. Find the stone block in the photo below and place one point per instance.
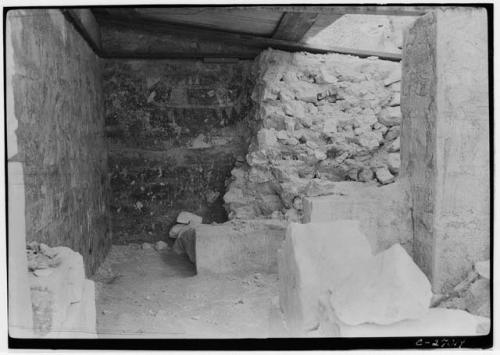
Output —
(54, 292)
(385, 289)
(315, 257)
(445, 137)
(383, 212)
(239, 246)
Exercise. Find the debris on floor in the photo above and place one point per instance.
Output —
(472, 294)
(159, 295)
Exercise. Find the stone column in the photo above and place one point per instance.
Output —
(445, 141)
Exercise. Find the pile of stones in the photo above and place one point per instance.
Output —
(318, 117)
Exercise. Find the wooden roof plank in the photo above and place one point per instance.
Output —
(234, 38)
(385, 10)
(294, 25)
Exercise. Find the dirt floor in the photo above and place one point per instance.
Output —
(143, 293)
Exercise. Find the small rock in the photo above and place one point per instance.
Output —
(189, 218)
(291, 141)
(160, 245)
(353, 174)
(146, 246)
(390, 116)
(384, 176)
(483, 268)
(394, 162)
(395, 146)
(393, 133)
(365, 175)
(282, 135)
(176, 230)
(369, 140)
(199, 142)
(319, 155)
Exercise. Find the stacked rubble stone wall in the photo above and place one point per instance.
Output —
(321, 119)
(56, 80)
(175, 129)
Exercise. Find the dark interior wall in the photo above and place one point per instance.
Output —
(58, 105)
(175, 129)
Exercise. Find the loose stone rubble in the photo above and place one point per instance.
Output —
(63, 300)
(326, 117)
(473, 293)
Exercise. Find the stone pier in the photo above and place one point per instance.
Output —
(445, 141)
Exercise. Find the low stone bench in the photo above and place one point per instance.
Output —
(239, 246)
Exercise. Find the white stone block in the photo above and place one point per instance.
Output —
(313, 258)
(383, 212)
(385, 289)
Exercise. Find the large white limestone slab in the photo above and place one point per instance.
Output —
(314, 257)
(384, 289)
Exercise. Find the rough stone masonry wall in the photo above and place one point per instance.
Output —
(58, 105)
(323, 119)
(175, 130)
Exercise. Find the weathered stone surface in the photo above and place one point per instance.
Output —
(445, 133)
(385, 289)
(80, 320)
(478, 298)
(189, 218)
(57, 76)
(239, 246)
(436, 322)
(383, 212)
(53, 294)
(313, 258)
(147, 246)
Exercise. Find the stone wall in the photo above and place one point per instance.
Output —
(322, 119)
(175, 130)
(446, 141)
(57, 99)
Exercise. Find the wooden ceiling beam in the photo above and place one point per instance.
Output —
(235, 38)
(384, 10)
(294, 25)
